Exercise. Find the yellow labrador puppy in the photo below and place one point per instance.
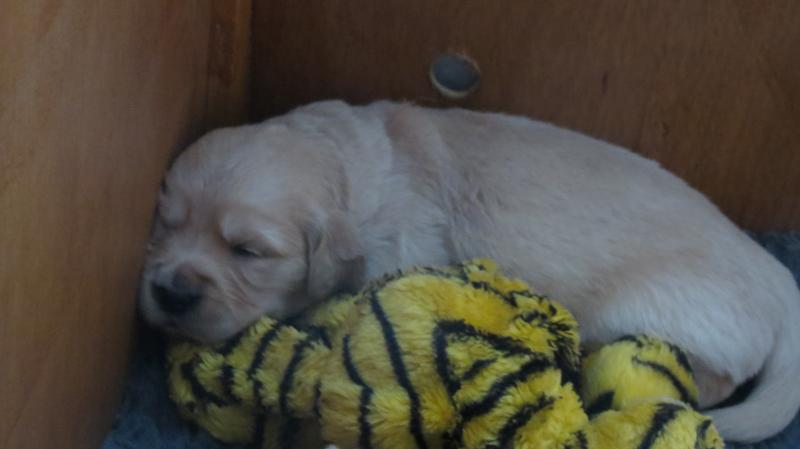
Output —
(267, 218)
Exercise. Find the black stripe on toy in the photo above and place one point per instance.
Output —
(415, 424)
(509, 297)
(506, 345)
(552, 309)
(582, 443)
(462, 274)
(524, 293)
(564, 354)
(579, 440)
(365, 431)
(535, 315)
(520, 418)
(680, 356)
(319, 333)
(226, 379)
(473, 410)
(543, 319)
(630, 339)
(288, 431)
(258, 359)
(569, 364)
(483, 285)
(451, 383)
(462, 330)
(700, 438)
(476, 368)
(317, 397)
(297, 356)
(258, 431)
(664, 371)
(500, 387)
(448, 442)
(198, 390)
(664, 414)
(288, 376)
(601, 403)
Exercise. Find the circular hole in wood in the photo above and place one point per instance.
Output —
(454, 76)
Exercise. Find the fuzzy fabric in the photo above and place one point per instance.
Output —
(148, 419)
(358, 371)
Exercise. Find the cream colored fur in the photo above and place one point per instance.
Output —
(330, 195)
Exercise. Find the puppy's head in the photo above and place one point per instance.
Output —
(250, 221)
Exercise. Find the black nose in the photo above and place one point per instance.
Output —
(178, 296)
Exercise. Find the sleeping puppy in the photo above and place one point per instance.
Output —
(269, 218)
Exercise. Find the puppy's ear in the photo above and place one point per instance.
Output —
(335, 257)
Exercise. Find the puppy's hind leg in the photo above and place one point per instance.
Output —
(712, 387)
(701, 312)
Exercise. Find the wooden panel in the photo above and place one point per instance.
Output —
(710, 88)
(94, 98)
(229, 63)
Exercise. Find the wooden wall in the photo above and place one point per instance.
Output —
(95, 97)
(710, 88)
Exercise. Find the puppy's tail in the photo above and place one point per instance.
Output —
(776, 398)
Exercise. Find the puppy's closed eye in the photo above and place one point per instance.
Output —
(251, 251)
(250, 244)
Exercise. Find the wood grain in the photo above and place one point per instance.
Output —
(709, 88)
(95, 97)
(228, 98)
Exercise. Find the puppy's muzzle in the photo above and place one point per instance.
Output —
(177, 295)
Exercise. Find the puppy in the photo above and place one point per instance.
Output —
(269, 218)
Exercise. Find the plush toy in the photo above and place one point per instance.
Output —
(460, 357)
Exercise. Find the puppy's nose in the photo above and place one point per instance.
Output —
(179, 295)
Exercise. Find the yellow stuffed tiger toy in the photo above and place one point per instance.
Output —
(459, 357)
